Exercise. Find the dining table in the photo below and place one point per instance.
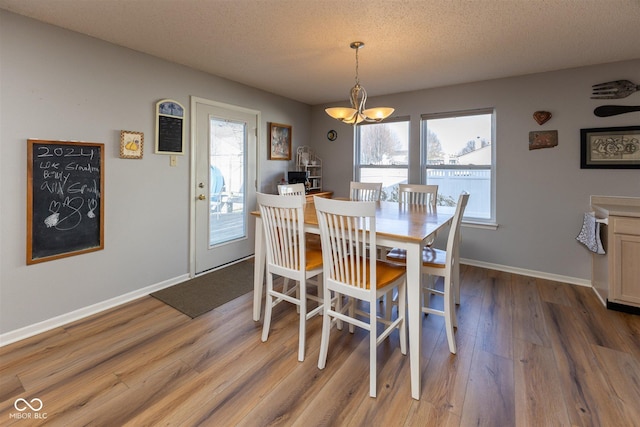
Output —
(398, 225)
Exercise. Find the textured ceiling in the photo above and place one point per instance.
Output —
(300, 48)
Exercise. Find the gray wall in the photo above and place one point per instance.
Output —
(59, 85)
(541, 194)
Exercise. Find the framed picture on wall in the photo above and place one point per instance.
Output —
(169, 127)
(279, 142)
(610, 148)
(131, 144)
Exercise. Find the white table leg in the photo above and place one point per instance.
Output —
(414, 309)
(258, 271)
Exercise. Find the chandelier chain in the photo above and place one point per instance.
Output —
(357, 79)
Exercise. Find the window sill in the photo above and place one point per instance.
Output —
(482, 225)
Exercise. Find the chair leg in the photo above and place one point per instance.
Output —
(352, 313)
(338, 308)
(324, 339)
(268, 306)
(455, 281)
(302, 307)
(388, 306)
(449, 314)
(402, 311)
(320, 287)
(373, 349)
(426, 294)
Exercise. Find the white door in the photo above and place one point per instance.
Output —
(225, 183)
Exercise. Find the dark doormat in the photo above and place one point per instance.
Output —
(210, 290)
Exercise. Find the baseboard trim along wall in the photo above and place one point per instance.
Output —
(55, 322)
(530, 273)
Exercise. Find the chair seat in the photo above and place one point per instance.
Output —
(431, 257)
(386, 273)
(314, 259)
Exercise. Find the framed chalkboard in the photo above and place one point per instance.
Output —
(169, 127)
(65, 199)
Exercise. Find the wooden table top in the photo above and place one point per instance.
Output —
(403, 222)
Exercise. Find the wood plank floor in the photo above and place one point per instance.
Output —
(531, 352)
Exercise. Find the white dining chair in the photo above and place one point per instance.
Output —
(418, 194)
(421, 195)
(347, 229)
(313, 240)
(365, 191)
(288, 256)
(437, 262)
(291, 189)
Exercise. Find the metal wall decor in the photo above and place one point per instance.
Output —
(613, 110)
(541, 117)
(614, 90)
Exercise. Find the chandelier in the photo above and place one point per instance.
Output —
(358, 113)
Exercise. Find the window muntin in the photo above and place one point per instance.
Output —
(459, 155)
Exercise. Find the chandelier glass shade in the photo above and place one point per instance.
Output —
(358, 112)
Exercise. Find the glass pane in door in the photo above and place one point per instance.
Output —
(226, 181)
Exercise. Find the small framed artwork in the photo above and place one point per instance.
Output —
(279, 142)
(610, 148)
(131, 144)
(543, 139)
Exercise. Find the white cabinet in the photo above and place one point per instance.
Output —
(624, 250)
(616, 275)
(312, 164)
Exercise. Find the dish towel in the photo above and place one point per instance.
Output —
(590, 233)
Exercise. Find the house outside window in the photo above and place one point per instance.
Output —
(382, 155)
(458, 154)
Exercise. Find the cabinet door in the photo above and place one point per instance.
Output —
(627, 268)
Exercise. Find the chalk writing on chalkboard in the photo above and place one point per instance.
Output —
(65, 193)
(169, 127)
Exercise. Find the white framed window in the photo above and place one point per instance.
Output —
(382, 155)
(458, 154)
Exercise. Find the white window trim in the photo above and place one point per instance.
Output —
(473, 222)
(356, 148)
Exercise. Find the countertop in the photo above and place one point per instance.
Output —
(616, 206)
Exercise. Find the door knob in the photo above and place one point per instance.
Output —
(202, 197)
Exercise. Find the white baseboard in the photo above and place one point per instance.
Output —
(525, 272)
(55, 322)
(37, 328)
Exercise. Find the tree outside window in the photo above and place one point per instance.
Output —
(382, 154)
